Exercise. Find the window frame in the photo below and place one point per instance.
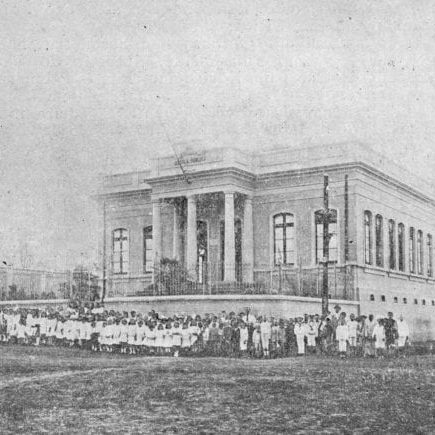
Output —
(336, 233)
(368, 238)
(147, 234)
(288, 221)
(392, 263)
(124, 251)
(401, 247)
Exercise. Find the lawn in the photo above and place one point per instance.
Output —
(47, 390)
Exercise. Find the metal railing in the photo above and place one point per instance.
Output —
(172, 279)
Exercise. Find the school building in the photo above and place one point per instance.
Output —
(212, 229)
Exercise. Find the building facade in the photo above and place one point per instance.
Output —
(234, 222)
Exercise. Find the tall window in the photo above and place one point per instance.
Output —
(120, 251)
(148, 252)
(401, 239)
(411, 250)
(284, 239)
(379, 231)
(333, 245)
(420, 252)
(429, 255)
(392, 243)
(367, 237)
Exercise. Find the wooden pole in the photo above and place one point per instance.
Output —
(325, 284)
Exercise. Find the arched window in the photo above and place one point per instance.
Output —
(379, 240)
(333, 245)
(148, 252)
(429, 255)
(368, 237)
(420, 252)
(284, 239)
(120, 251)
(412, 250)
(392, 243)
(401, 239)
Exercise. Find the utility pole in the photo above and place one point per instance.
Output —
(325, 284)
(103, 295)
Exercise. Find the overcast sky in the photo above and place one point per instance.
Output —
(87, 86)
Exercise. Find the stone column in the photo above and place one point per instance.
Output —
(248, 242)
(157, 231)
(176, 234)
(191, 252)
(230, 248)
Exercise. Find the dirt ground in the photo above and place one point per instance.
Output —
(48, 390)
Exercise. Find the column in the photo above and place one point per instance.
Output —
(176, 233)
(230, 248)
(157, 231)
(191, 251)
(248, 242)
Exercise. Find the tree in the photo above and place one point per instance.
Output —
(84, 286)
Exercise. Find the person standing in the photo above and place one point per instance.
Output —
(379, 336)
(299, 331)
(342, 337)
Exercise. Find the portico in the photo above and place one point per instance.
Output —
(212, 233)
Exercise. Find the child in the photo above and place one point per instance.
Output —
(342, 335)
(243, 343)
(312, 331)
(176, 338)
(352, 326)
(131, 340)
(299, 331)
(256, 341)
(167, 339)
(185, 338)
(123, 335)
(379, 336)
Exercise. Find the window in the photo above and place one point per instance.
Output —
(367, 237)
(401, 234)
(423, 302)
(372, 298)
(383, 298)
(396, 300)
(412, 250)
(415, 301)
(405, 301)
(379, 240)
(284, 239)
(433, 303)
(420, 252)
(333, 246)
(148, 252)
(392, 243)
(429, 255)
(120, 251)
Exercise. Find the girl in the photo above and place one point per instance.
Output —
(185, 338)
(342, 336)
(160, 334)
(176, 338)
(243, 343)
(167, 340)
(131, 340)
(299, 331)
(379, 336)
(123, 335)
(256, 341)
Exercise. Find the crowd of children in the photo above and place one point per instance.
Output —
(91, 327)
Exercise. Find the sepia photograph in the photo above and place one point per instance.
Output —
(217, 217)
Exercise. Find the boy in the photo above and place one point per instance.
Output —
(342, 336)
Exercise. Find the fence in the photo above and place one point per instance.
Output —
(23, 284)
(171, 279)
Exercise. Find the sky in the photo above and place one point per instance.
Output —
(98, 87)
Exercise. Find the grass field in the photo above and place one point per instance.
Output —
(46, 390)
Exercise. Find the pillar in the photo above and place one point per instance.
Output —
(230, 248)
(191, 252)
(248, 242)
(176, 245)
